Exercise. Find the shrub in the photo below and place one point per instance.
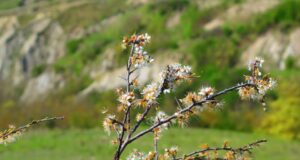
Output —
(132, 97)
(283, 118)
(37, 70)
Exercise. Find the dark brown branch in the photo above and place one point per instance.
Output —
(230, 89)
(140, 121)
(127, 112)
(135, 69)
(129, 72)
(116, 121)
(137, 124)
(145, 113)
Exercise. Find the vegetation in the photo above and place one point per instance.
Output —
(38, 70)
(134, 96)
(284, 16)
(212, 54)
(8, 4)
(95, 144)
(285, 120)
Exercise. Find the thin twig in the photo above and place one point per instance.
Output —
(245, 148)
(116, 121)
(126, 119)
(155, 147)
(24, 127)
(167, 120)
(178, 103)
(137, 124)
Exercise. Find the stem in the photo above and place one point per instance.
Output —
(126, 120)
(123, 144)
(245, 148)
(156, 147)
(137, 124)
(129, 72)
(22, 128)
(147, 110)
(185, 110)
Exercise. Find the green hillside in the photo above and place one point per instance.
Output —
(210, 36)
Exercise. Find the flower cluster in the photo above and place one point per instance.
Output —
(183, 118)
(8, 136)
(169, 77)
(175, 73)
(126, 98)
(193, 98)
(229, 155)
(108, 123)
(149, 92)
(160, 116)
(170, 152)
(204, 93)
(136, 155)
(261, 83)
(190, 98)
(136, 40)
(138, 117)
(140, 57)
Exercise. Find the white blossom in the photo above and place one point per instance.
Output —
(262, 83)
(108, 123)
(126, 98)
(140, 57)
(160, 116)
(174, 74)
(150, 92)
(206, 91)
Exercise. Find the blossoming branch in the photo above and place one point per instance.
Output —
(10, 135)
(255, 87)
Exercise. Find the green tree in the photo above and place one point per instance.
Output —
(284, 116)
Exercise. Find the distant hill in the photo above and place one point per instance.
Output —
(72, 48)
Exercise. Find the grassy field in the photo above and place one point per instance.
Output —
(92, 144)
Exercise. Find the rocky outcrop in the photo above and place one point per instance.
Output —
(104, 81)
(240, 12)
(205, 4)
(41, 41)
(174, 20)
(10, 37)
(38, 88)
(276, 47)
(22, 49)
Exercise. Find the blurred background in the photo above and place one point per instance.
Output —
(64, 57)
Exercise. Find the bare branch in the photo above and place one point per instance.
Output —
(178, 103)
(116, 121)
(7, 133)
(123, 78)
(243, 149)
(126, 119)
(155, 147)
